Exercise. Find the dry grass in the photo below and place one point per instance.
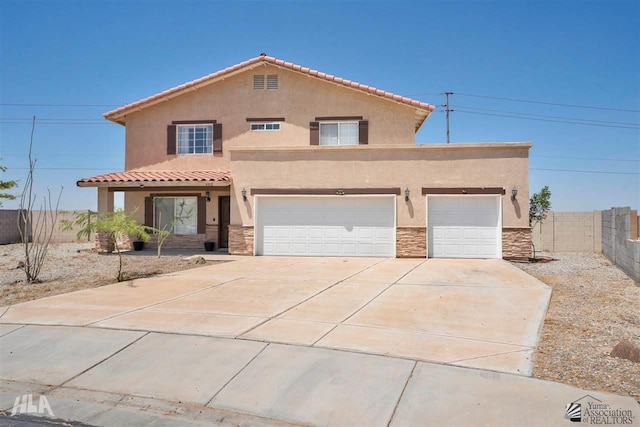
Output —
(593, 307)
(72, 267)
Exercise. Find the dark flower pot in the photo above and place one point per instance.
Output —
(209, 246)
(138, 245)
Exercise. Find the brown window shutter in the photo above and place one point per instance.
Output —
(217, 138)
(171, 139)
(148, 211)
(314, 130)
(363, 132)
(202, 215)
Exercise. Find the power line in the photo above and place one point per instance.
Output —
(59, 123)
(549, 120)
(583, 171)
(588, 158)
(46, 119)
(553, 117)
(548, 103)
(66, 169)
(58, 105)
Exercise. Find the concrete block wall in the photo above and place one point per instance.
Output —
(9, 232)
(59, 235)
(617, 244)
(569, 232)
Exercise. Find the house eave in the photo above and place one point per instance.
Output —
(154, 184)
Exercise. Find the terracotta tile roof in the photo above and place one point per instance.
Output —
(116, 115)
(157, 176)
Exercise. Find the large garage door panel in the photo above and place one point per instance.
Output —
(329, 226)
(463, 227)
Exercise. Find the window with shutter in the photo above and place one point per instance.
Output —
(179, 215)
(339, 133)
(194, 137)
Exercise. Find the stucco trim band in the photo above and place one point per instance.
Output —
(463, 190)
(324, 191)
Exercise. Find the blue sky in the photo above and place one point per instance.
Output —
(102, 54)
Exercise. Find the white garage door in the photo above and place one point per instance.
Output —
(464, 227)
(326, 226)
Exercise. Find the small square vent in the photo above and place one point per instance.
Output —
(272, 81)
(258, 82)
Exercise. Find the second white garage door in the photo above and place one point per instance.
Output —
(464, 227)
(325, 226)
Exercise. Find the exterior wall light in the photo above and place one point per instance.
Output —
(514, 192)
(208, 196)
(406, 194)
(244, 194)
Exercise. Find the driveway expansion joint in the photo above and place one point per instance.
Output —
(209, 402)
(104, 359)
(404, 389)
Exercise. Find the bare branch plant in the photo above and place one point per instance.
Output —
(36, 236)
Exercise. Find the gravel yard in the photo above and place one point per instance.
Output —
(74, 266)
(594, 305)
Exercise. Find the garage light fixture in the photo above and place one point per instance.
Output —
(208, 196)
(406, 194)
(514, 192)
(244, 194)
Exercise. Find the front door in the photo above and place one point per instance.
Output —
(224, 214)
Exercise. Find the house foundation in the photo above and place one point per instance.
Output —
(411, 242)
(241, 240)
(516, 242)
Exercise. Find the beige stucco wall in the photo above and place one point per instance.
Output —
(442, 165)
(299, 99)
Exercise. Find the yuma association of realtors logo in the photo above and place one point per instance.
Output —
(25, 405)
(590, 410)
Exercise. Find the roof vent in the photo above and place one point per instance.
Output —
(258, 82)
(272, 81)
(263, 54)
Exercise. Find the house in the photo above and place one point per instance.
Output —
(271, 158)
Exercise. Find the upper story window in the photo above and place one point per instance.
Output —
(265, 126)
(339, 130)
(260, 81)
(195, 139)
(339, 133)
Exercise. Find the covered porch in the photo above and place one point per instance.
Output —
(195, 205)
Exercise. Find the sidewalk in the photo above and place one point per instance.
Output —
(115, 377)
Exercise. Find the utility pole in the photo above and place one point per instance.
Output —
(448, 110)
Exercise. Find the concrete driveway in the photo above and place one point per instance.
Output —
(475, 313)
(289, 341)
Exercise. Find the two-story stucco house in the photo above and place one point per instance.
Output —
(271, 158)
